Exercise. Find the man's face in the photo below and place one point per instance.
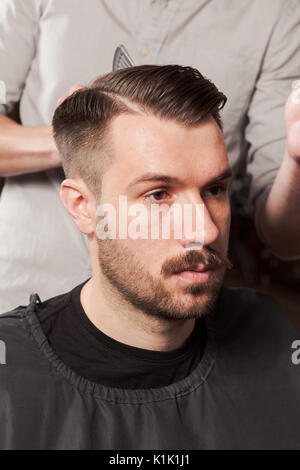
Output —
(161, 163)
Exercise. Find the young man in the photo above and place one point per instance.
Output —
(151, 352)
(48, 45)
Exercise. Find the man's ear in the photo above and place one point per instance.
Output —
(80, 203)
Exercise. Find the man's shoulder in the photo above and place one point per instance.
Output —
(247, 296)
(16, 345)
(13, 318)
(12, 321)
(242, 300)
(252, 312)
(18, 327)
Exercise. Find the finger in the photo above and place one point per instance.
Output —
(76, 88)
(72, 90)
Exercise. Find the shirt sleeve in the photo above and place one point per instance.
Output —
(18, 30)
(265, 131)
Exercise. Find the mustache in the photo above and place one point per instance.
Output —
(187, 262)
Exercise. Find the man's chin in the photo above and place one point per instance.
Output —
(192, 299)
(197, 306)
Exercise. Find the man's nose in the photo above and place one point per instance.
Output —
(199, 227)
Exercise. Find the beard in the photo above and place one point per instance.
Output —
(130, 279)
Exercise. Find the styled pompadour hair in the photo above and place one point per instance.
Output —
(172, 92)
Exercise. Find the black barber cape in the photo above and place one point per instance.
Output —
(102, 359)
(244, 393)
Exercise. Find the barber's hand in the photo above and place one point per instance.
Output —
(72, 90)
(292, 123)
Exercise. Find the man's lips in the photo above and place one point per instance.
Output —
(199, 268)
(197, 273)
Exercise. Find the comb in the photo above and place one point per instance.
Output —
(122, 59)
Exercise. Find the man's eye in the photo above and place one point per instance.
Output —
(157, 196)
(216, 190)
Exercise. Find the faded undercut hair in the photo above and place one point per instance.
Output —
(81, 122)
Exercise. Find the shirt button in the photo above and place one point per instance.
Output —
(145, 51)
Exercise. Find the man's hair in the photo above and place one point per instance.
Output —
(81, 122)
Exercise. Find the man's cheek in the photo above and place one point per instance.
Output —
(138, 222)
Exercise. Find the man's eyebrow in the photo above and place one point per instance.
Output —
(167, 179)
(222, 176)
(148, 177)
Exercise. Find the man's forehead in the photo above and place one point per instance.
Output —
(146, 144)
(168, 179)
(142, 134)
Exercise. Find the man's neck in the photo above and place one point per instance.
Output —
(128, 325)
